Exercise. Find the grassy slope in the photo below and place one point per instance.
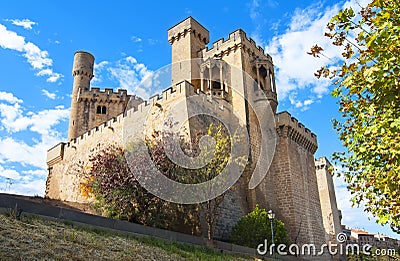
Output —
(32, 238)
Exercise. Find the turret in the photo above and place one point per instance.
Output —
(265, 77)
(82, 72)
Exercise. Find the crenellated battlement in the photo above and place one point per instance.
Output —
(107, 94)
(188, 26)
(83, 64)
(108, 125)
(82, 72)
(103, 117)
(236, 40)
(322, 163)
(295, 130)
(182, 89)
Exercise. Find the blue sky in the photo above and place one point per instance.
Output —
(129, 41)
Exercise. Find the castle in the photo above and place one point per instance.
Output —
(290, 187)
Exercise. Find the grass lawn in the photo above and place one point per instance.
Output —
(36, 238)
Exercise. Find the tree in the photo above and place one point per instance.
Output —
(252, 229)
(118, 194)
(218, 152)
(221, 157)
(368, 92)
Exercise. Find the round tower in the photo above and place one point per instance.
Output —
(82, 72)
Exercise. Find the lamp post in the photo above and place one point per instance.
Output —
(271, 217)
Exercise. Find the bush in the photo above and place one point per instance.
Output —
(117, 194)
(252, 229)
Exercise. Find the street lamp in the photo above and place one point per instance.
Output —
(271, 217)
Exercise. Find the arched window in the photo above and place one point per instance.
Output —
(263, 76)
(104, 110)
(98, 110)
(271, 81)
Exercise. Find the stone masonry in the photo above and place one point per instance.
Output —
(97, 117)
(330, 212)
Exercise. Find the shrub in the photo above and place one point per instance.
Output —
(252, 229)
(112, 183)
(119, 195)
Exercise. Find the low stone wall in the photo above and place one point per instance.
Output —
(8, 201)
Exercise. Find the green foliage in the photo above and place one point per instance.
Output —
(252, 229)
(368, 92)
(221, 157)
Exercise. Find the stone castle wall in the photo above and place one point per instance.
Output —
(91, 107)
(63, 158)
(330, 212)
(290, 187)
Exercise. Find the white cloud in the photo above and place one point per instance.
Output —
(352, 216)
(10, 115)
(133, 76)
(294, 68)
(13, 151)
(97, 71)
(53, 77)
(44, 72)
(128, 74)
(298, 104)
(49, 94)
(308, 102)
(25, 23)
(14, 118)
(272, 3)
(126, 77)
(131, 60)
(11, 40)
(355, 217)
(31, 154)
(9, 173)
(9, 97)
(36, 57)
(42, 122)
(19, 152)
(152, 41)
(254, 10)
(24, 187)
(36, 172)
(136, 39)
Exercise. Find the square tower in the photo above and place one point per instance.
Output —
(188, 38)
